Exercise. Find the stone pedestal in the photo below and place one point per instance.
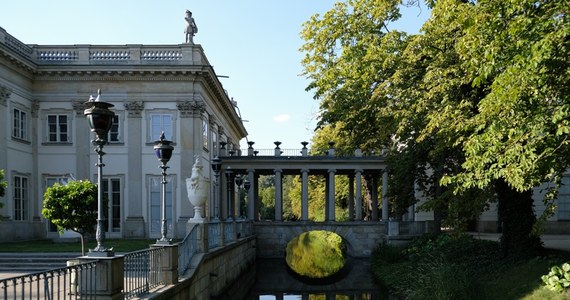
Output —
(108, 278)
(169, 263)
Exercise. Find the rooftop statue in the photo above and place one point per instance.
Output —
(191, 28)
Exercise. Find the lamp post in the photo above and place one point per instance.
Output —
(216, 165)
(239, 182)
(246, 186)
(163, 151)
(100, 120)
(230, 182)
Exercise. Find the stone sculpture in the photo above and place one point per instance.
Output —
(191, 28)
(198, 188)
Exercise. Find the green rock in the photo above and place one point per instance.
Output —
(316, 254)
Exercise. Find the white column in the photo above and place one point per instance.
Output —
(385, 211)
(351, 197)
(305, 195)
(278, 195)
(331, 195)
(358, 196)
(251, 195)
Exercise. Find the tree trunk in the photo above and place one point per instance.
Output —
(82, 244)
(517, 218)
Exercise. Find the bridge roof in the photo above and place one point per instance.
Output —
(292, 165)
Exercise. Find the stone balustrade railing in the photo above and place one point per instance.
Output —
(182, 54)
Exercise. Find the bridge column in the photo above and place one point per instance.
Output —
(251, 194)
(385, 211)
(255, 186)
(305, 195)
(351, 197)
(230, 193)
(331, 196)
(358, 196)
(278, 195)
(374, 196)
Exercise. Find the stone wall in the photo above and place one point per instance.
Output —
(361, 237)
(22, 230)
(212, 273)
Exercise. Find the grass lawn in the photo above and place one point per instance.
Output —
(118, 245)
(522, 280)
(462, 268)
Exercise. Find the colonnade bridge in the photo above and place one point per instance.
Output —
(242, 170)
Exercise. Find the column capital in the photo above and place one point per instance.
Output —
(190, 109)
(305, 170)
(134, 108)
(5, 93)
(78, 107)
(356, 171)
(277, 170)
(331, 170)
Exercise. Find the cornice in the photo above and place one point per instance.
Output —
(138, 75)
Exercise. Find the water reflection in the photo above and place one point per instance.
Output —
(274, 281)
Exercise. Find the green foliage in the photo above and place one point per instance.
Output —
(3, 186)
(558, 279)
(72, 206)
(436, 267)
(316, 254)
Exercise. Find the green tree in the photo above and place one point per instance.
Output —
(3, 186)
(72, 207)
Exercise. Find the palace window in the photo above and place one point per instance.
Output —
(114, 135)
(58, 128)
(564, 200)
(205, 134)
(21, 198)
(112, 192)
(159, 122)
(20, 124)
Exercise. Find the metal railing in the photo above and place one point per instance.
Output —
(72, 282)
(142, 271)
(228, 228)
(186, 250)
(214, 235)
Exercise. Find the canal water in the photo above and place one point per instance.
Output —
(270, 279)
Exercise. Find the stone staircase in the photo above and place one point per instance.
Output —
(33, 262)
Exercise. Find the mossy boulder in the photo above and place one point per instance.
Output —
(316, 254)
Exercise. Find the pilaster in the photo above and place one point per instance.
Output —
(134, 223)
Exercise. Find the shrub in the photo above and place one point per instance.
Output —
(558, 279)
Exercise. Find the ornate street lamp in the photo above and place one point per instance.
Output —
(163, 151)
(239, 182)
(246, 186)
(100, 120)
(216, 165)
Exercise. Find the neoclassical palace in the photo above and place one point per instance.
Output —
(45, 137)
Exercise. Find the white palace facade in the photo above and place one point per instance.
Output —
(45, 137)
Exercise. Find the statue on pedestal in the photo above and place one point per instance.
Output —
(191, 28)
(198, 188)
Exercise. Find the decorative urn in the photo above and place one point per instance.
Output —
(198, 188)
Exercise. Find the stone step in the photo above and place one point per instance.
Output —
(31, 262)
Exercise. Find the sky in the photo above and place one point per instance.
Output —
(253, 42)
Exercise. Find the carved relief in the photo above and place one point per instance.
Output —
(4, 95)
(134, 108)
(35, 108)
(78, 107)
(191, 108)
